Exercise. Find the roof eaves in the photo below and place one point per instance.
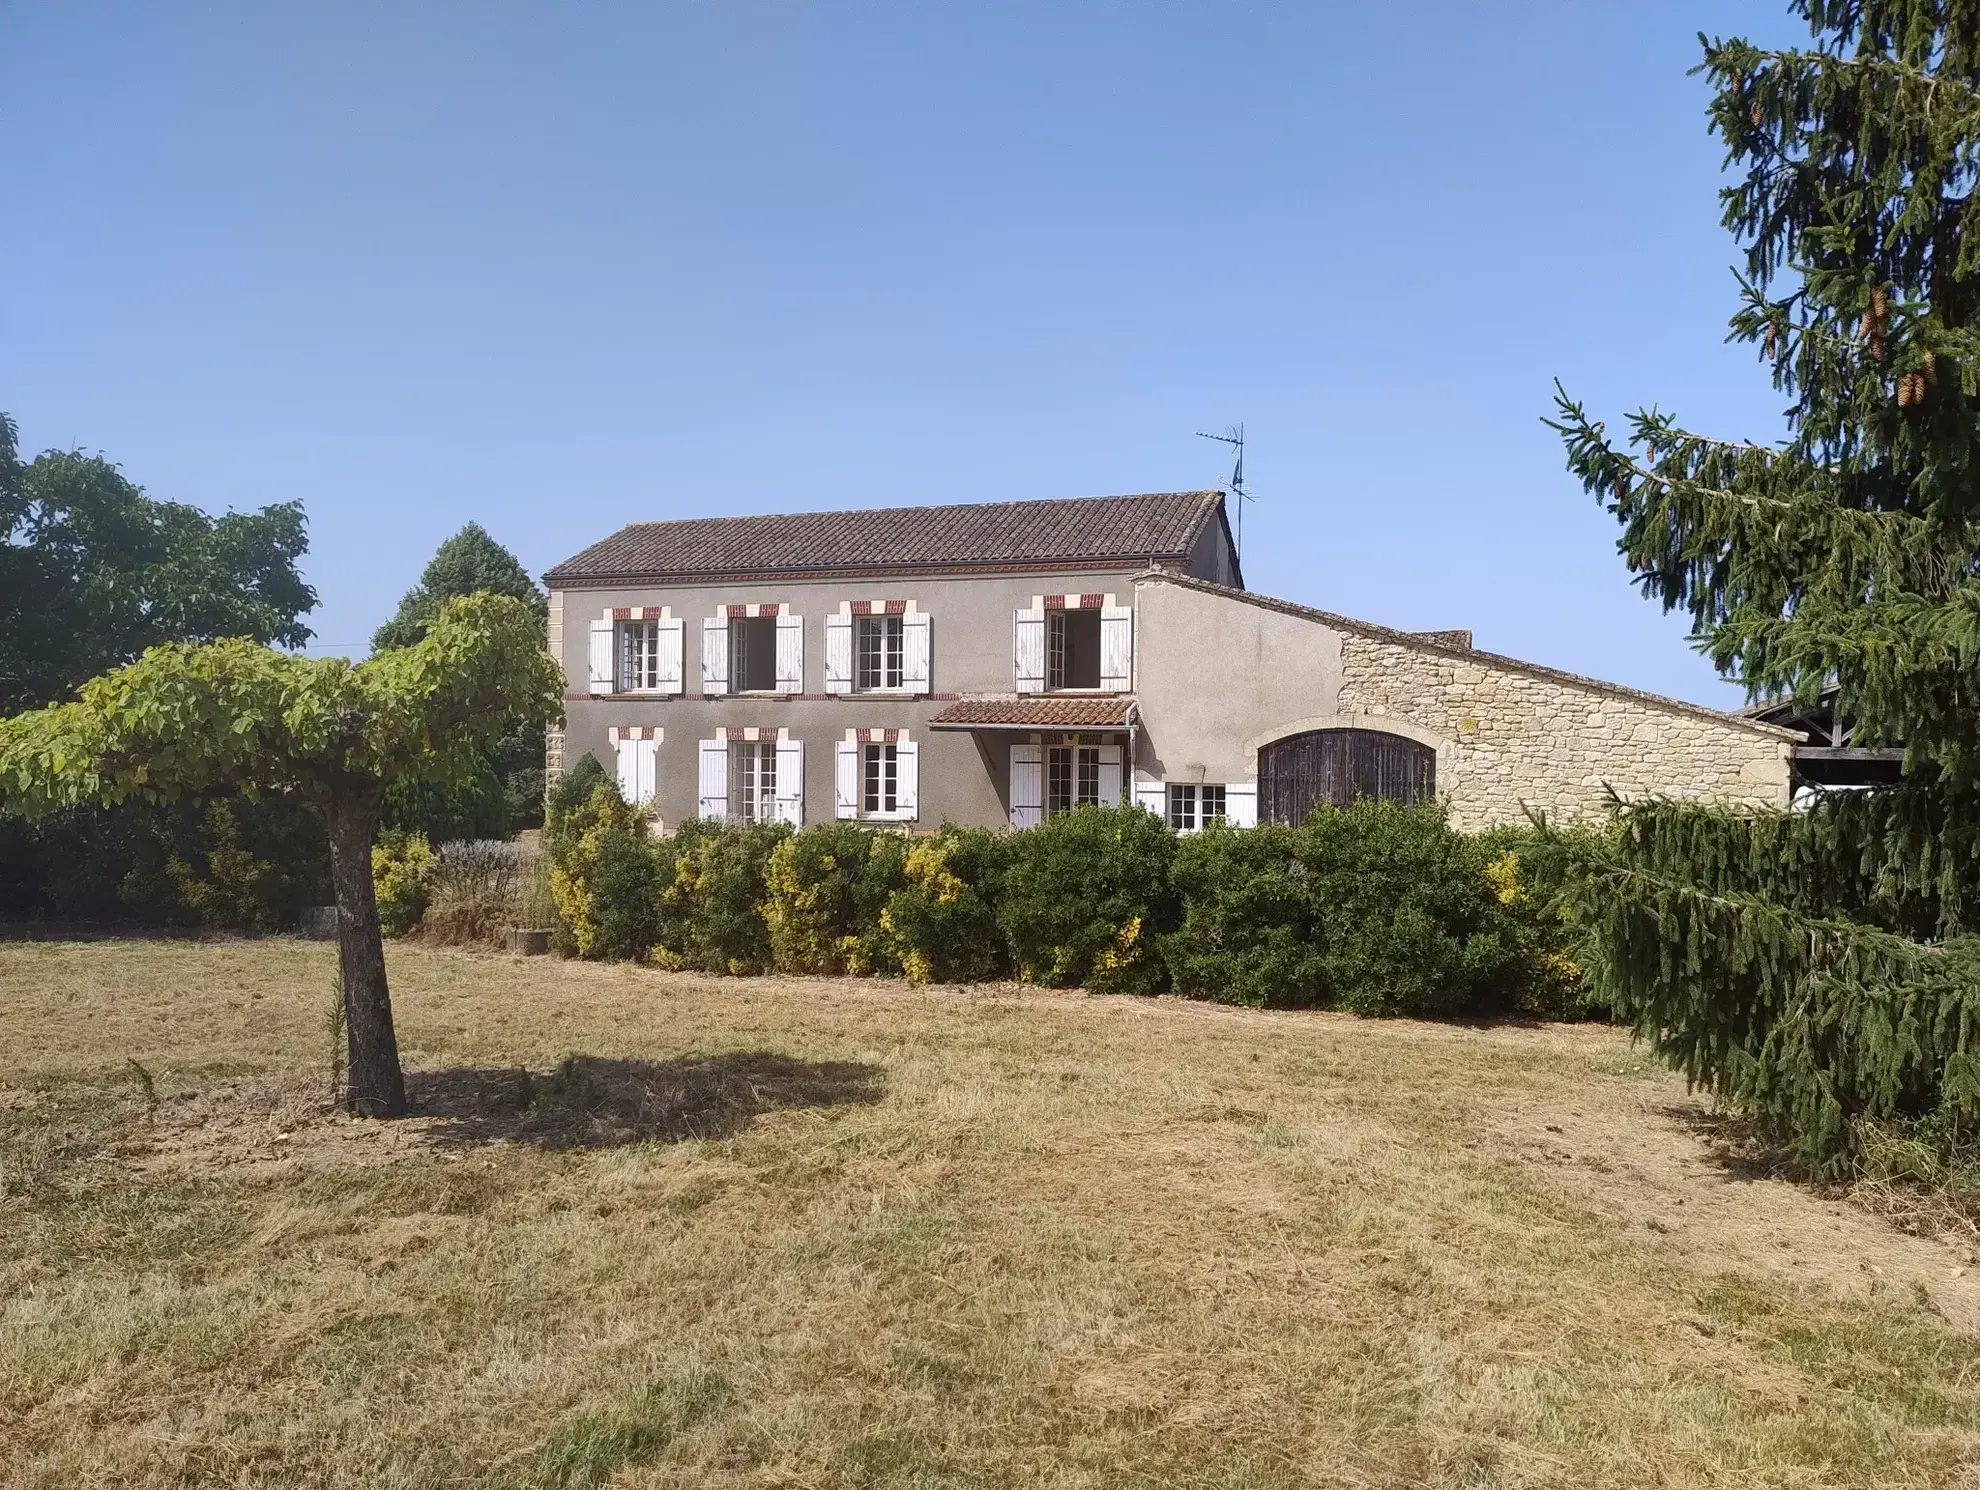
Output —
(560, 578)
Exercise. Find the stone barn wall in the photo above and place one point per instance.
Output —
(1511, 735)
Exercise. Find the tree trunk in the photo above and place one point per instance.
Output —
(376, 1087)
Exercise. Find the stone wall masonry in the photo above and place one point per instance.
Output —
(1508, 739)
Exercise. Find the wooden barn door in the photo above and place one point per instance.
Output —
(1300, 772)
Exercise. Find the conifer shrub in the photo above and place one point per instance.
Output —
(713, 905)
(827, 891)
(943, 920)
(231, 888)
(1087, 898)
(402, 880)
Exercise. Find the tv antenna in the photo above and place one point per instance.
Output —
(1233, 436)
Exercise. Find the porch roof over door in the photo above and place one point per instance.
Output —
(1074, 711)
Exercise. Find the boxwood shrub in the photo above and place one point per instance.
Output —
(1087, 899)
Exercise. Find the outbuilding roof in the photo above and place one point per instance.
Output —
(1058, 533)
(1446, 643)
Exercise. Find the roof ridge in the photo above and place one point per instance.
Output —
(1419, 642)
(743, 517)
(1121, 531)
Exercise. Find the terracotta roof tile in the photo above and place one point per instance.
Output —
(1053, 712)
(1105, 531)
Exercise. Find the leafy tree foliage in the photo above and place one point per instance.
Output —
(1820, 968)
(93, 571)
(190, 720)
(503, 790)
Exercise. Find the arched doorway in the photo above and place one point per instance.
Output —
(1298, 773)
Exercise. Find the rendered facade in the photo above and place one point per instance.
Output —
(994, 663)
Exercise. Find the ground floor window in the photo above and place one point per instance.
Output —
(1072, 777)
(880, 779)
(753, 781)
(1194, 805)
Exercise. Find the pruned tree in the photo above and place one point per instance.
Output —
(1819, 967)
(231, 715)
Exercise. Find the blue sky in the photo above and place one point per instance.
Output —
(558, 268)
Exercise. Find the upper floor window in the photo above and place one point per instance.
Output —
(639, 656)
(877, 646)
(881, 647)
(755, 648)
(1073, 643)
(753, 654)
(1072, 649)
(636, 649)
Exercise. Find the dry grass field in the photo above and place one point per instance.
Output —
(653, 1230)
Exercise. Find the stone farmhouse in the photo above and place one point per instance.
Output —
(995, 663)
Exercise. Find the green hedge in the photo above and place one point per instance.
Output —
(1377, 908)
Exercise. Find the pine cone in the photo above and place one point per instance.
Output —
(1757, 116)
(1622, 487)
(1904, 390)
(1931, 370)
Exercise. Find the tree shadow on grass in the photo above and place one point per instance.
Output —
(595, 1102)
(1734, 1145)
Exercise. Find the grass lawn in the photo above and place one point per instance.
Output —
(781, 1233)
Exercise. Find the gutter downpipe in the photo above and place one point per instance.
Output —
(1132, 721)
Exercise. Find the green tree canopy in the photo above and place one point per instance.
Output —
(93, 571)
(186, 720)
(502, 790)
(1819, 966)
(468, 563)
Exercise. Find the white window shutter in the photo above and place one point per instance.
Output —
(907, 780)
(1110, 775)
(1028, 650)
(715, 656)
(790, 781)
(845, 779)
(1241, 804)
(715, 778)
(604, 666)
(838, 654)
(673, 654)
(628, 759)
(1116, 648)
(1152, 796)
(790, 654)
(1027, 785)
(638, 782)
(916, 671)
